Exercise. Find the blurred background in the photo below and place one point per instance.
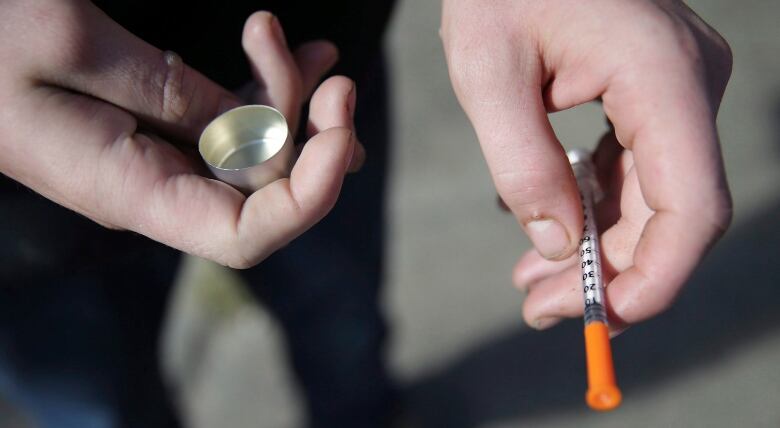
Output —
(459, 346)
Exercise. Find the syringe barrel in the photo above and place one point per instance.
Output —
(589, 251)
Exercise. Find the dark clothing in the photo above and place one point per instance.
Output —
(211, 41)
(81, 305)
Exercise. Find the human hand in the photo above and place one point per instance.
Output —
(661, 73)
(90, 112)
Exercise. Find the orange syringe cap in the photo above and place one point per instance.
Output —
(603, 393)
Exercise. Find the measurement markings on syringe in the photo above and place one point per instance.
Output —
(590, 263)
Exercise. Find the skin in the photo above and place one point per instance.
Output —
(100, 122)
(660, 72)
(91, 114)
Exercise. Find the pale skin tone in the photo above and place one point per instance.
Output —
(660, 72)
(90, 114)
(90, 111)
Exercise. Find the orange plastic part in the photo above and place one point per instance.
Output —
(603, 393)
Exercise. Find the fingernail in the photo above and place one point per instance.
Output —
(545, 322)
(549, 237)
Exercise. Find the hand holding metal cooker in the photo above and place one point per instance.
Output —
(100, 107)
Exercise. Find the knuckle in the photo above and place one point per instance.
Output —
(528, 319)
(470, 55)
(523, 193)
(664, 37)
(713, 216)
(232, 253)
(236, 260)
(725, 55)
(646, 302)
(465, 62)
(722, 215)
(723, 46)
(676, 38)
(309, 211)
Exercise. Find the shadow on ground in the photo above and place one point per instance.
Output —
(732, 299)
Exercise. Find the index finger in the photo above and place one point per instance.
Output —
(501, 93)
(80, 48)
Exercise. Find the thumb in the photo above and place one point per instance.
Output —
(500, 91)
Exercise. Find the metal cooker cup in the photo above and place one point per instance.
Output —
(248, 147)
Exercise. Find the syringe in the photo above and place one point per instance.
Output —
(603, 393)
